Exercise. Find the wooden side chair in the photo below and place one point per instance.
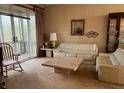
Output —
(9, 58)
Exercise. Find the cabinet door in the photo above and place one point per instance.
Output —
(112, 33)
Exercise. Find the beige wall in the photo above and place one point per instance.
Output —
(58, 17)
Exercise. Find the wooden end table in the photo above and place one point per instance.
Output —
(47, 52)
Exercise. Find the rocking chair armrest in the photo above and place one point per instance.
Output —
(16, 56)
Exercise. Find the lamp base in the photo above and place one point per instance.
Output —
(53, 44)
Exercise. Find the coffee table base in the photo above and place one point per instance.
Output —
(62, 70)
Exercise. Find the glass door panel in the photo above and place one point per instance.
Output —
(121, 34)
(113, 25)
(26, 34)
(112, 35)
(32, 36)
(17, 34)
(7, 29)
(122, 25)
(21, 35)
(25, 28)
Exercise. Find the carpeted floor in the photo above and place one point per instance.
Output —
(37, 76)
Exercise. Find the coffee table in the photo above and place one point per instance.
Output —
(64, 64)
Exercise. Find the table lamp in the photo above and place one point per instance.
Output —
(53, 39)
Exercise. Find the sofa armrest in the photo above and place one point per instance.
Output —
(95, 51)
(110, 73)
(94, 56)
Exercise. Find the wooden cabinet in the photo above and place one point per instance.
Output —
(115, 31)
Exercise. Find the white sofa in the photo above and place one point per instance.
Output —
(86, 51)
(110, 66)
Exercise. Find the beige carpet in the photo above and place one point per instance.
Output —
(37, 76)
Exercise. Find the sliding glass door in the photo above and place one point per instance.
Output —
(17, 32)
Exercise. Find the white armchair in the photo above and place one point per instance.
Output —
(110, 67)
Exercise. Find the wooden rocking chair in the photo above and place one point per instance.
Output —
(9, 58)
(2, 79)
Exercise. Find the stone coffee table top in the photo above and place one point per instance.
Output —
(69, 63)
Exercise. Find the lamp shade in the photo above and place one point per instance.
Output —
(53, 37)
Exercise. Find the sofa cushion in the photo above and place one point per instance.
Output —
(60, 54)
(119, 54)
(85, 56)
(113, 59)
(70, 55)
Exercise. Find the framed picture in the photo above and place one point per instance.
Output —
(77, 27)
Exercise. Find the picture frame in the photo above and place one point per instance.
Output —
(77, 27)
